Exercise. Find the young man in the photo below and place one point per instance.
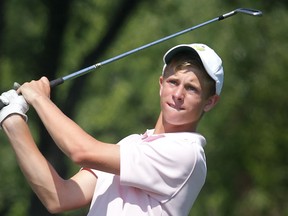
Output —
(158, 173)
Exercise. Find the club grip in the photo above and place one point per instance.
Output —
(56, 82)
(53, 83)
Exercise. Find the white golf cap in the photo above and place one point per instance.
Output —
(211, 61)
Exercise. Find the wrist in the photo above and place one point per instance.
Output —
(39, 101)
(12, 121)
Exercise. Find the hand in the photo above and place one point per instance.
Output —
(15, 104)
(34, 90)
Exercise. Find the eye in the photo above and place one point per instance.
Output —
(172, 81)
(191, 88)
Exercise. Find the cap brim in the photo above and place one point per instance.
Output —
(181, 48)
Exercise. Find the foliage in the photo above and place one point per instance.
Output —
(246, 132)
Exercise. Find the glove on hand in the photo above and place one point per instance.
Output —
(15, 104)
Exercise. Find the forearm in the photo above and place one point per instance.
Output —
(78, 145)
(67, 135)
(41, 176)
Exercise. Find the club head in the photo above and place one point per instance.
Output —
(249, 11)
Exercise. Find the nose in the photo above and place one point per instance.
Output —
(179, 93)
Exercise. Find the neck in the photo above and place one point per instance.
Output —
(164, 127)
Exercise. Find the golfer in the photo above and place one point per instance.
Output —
(159, 172)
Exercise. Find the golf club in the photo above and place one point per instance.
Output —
(86, 70)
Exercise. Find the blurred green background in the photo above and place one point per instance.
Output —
(246, 133)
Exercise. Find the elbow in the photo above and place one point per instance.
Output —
(81, 150)
(78, 157)
(57, 207)
(53, 208)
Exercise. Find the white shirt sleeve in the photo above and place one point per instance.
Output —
(161, 165)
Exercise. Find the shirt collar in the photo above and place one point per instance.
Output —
(149, 136)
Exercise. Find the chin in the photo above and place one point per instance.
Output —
(178, 121)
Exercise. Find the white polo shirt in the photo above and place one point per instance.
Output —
(160, 175)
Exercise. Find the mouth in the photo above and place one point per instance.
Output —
(176, 107)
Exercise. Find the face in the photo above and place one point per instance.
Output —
(183, 97)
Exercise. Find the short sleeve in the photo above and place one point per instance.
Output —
(163, 165)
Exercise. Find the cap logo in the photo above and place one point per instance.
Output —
(199, 48)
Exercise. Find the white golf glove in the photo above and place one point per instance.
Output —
(15, 104)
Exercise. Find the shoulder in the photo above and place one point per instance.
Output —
(182, 143)
(187, 149)
(186, 138)
(169, 148)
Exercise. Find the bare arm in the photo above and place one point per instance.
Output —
(82, 148)
(55, 193)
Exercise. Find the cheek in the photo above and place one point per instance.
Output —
(195, 106)
(163, 91)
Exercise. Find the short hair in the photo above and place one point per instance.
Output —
(185, 59)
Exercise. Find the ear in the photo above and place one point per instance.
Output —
(211, 102)
(161, 84)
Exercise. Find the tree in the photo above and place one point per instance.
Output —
(246, 132)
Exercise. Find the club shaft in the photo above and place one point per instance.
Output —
(100, 64)
(156, 42)
(86, 70)
(90, 68)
